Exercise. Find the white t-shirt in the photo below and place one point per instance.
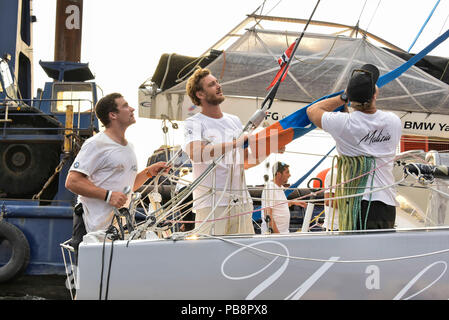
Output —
(362, 134)
(329, 212)
(108, 165)
(274, 197)
(203, 128)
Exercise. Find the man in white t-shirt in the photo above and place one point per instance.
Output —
(104, 166)
(366, 131)
(208, 135)
(276, 212)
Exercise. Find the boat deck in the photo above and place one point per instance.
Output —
(406, 220)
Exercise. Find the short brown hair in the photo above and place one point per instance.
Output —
(279, 167)
(105, 105)
(361, 106)
(193, 84)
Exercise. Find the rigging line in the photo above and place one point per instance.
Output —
(297, 183)
(309, 154)
(387, 78)
(268, 101)
(143, 223)
(361, 12)
(225, 216)
(187, 192)
(250, 125)
(372, 190)
(216, 204)
(292, 199)
(320, 60)
(424, 25)
(170, 207)
(263, 208)
(205, 194)
(325, 260)
(345, 182)
(351, 196)
(300, 86)
(399, 81)
(258, 21)
(170, 163)
(445, 194)
(218, 219)
(350, 180)
(189, 189)
(313, 200)
(442, 28)
(418, 185)
(262, 6)
(372, 17)
(445, 69)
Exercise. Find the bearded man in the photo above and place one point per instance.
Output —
(208, 135)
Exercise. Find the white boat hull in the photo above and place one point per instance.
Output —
(402, 264)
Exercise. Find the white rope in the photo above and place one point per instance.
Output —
(214, 208)
(180, 235)
(299, 198)
(446, 195)
(334, 198)
(326, 260)
(179, 207)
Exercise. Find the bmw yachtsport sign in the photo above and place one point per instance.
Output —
(433, 125)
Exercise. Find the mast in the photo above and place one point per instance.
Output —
(68, 31)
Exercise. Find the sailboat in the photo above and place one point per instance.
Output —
(401, 263)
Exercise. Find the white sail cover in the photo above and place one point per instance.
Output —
(322, 65)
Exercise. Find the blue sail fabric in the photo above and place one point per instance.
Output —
(424, 25)
(390, 76)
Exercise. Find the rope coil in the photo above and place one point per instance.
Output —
(348, 168)
(354, 175)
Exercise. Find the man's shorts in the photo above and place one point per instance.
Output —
(380, 215)
(79, 230)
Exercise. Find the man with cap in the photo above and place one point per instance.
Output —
(274, 202)
(366, 131)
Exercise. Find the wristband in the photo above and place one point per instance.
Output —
(149, 175)
(108, 196)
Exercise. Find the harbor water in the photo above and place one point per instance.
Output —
(35, 287)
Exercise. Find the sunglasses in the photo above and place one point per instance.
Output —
(279, 166)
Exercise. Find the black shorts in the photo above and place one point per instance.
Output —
(380, 215)
(79, 230)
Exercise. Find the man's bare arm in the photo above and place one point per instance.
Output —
(272, 223)
(78, 183)
(200, 151)
(330, 203)
(149, 172)
(315, 112)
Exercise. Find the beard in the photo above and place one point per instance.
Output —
(214, 100)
